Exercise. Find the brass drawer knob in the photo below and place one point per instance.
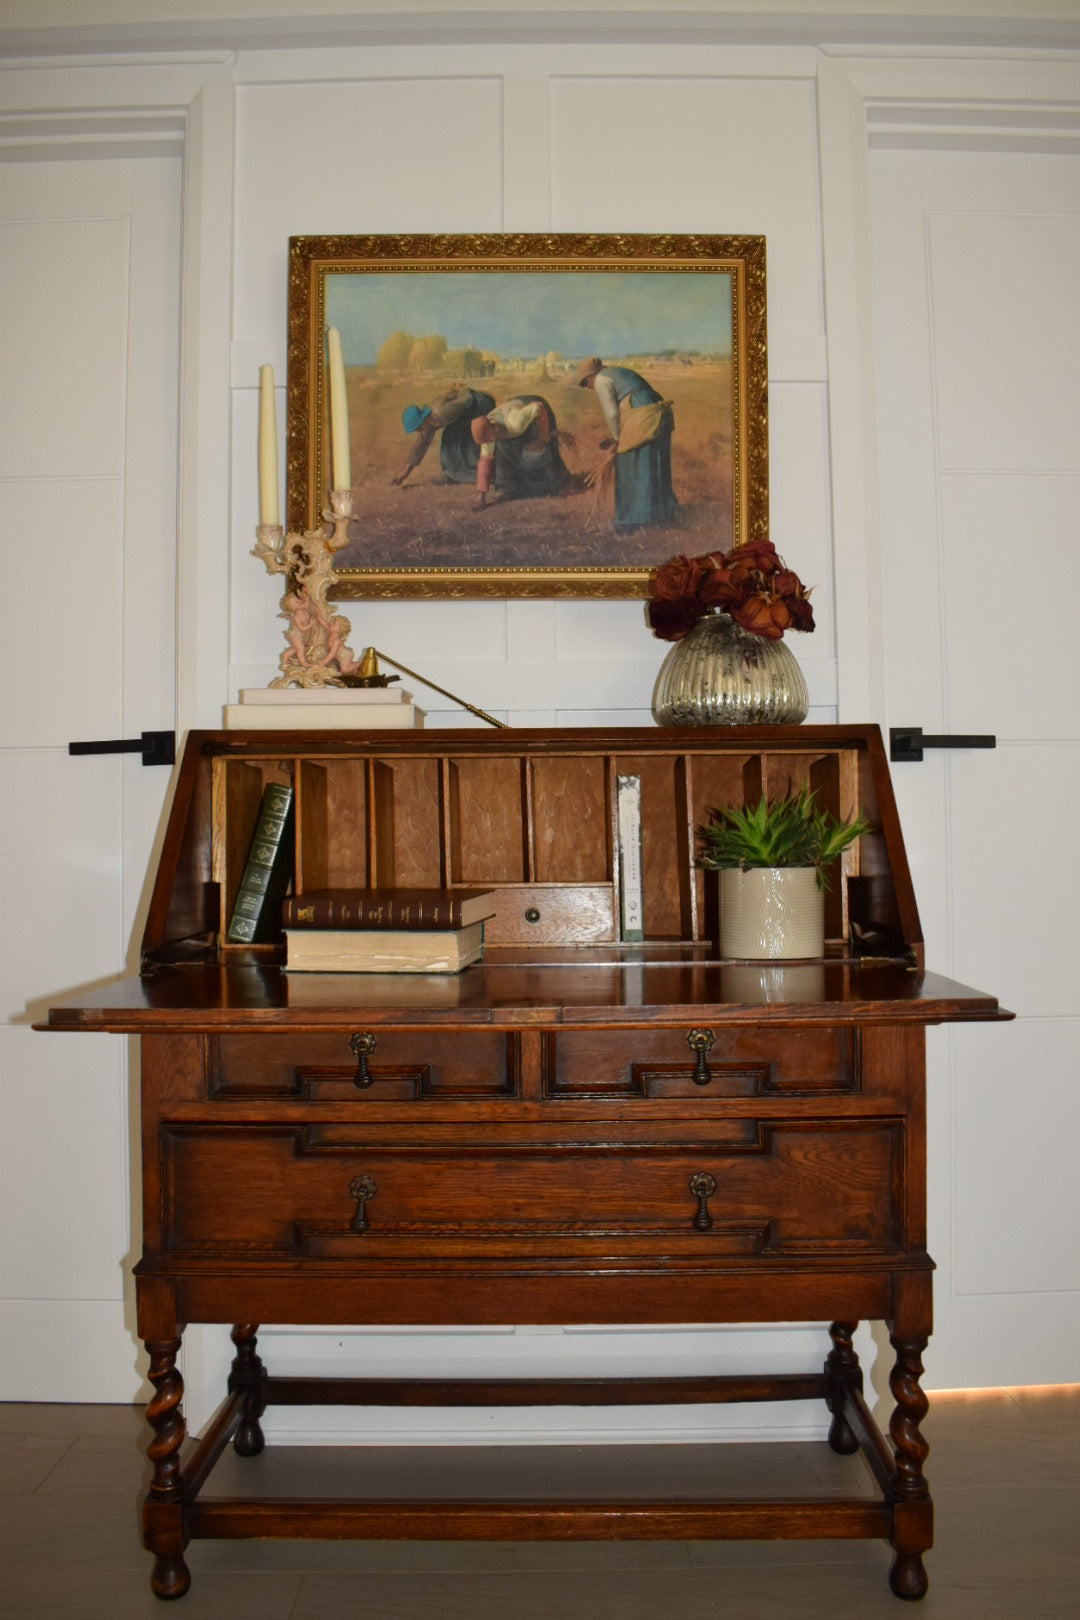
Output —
(700, 1041)
(361, 1047)
(702, 1185)
(361, 1188)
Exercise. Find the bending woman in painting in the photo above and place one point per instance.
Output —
(454, 414)
(640, 424)
(518, 447)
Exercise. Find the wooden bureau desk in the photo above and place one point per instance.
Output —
(575, 1130)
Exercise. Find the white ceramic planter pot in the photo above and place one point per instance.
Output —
(771, 913)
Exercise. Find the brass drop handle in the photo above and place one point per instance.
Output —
(361, 1047)
(702, 1185)
(361, 1188)
(700, 1041)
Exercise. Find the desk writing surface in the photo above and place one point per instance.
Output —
(592, 987)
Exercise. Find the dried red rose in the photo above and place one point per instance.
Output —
(671, 621)
(676, 579)
(757, 558)
(718, 589)
(764, 614)
(800, 612)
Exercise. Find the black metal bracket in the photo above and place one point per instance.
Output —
(906, 743)
(156, 747)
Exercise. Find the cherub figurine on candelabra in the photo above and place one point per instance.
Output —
(317, 653)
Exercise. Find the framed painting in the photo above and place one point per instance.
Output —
(545, 416)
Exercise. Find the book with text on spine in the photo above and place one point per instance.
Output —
(256, 912)
(364, 909)
(377, 950)
(628, 806)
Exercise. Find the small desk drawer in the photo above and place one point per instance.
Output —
(785, 1187)
(703, 1063)
(552, 914)
(398, 1065)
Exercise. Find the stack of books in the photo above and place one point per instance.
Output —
(323, 708)
(385, 930)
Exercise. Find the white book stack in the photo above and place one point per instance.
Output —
(325, 708)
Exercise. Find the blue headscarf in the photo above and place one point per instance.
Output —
(413, 415)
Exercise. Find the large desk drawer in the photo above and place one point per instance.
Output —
(750, 1186)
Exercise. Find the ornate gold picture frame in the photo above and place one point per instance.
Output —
(545, 416)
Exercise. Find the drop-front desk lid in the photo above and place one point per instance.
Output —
(615, 985)
(533, 815)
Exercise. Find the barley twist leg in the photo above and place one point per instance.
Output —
(163, 1511)
(912, 1509)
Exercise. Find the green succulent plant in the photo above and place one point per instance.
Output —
(791, 832)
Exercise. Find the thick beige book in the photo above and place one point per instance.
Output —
(405, 950)
(322, 717)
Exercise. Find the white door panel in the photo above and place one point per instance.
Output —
(62, 551)
(1015, 1180)
(58, 895)
(976, 259)
(63, 1164)
(89, 320)
(1017, 900)
(63, 404)
(1010, 563)
(1005, 334)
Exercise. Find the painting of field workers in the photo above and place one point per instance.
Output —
(552, 418)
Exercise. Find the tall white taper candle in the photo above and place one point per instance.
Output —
(339, 413)
(269, 511)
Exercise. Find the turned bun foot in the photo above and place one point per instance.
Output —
(249, 1440)
(842, 1436)
(171, 1577)
(908, 1577)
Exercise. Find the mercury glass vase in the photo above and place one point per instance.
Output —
(723, 675)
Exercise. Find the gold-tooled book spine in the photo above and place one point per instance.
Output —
(256, 913)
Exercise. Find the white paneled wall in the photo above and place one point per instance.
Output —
(389, 141)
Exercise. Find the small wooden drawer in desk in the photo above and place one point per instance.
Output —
(699, 1061)
(356, 1190)
(402, 1065)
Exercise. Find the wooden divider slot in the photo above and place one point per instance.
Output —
(512, 816)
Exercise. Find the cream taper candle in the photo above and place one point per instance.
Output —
(269, 511)
(339, 414)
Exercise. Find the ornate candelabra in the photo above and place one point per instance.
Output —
(316, 652)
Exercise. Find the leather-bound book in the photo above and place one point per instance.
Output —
(256, 912)
(387, 908)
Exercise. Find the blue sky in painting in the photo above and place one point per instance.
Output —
(526, 313)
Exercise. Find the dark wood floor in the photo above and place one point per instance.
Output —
(1004, 1468)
